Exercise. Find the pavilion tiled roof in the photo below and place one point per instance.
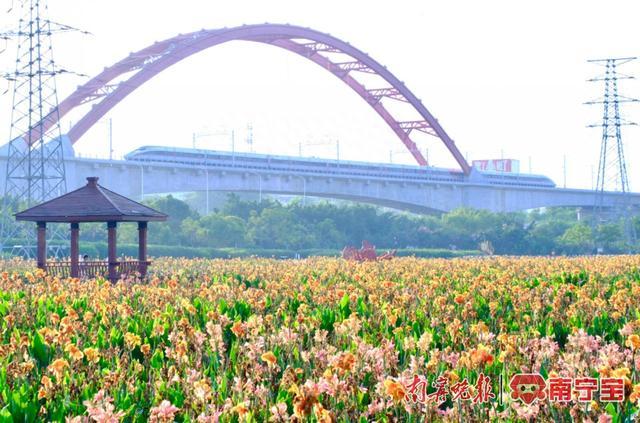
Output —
(91, 203)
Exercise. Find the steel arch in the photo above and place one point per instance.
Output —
(105, 91)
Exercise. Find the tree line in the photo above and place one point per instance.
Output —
(268, 224)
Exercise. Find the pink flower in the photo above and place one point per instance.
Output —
(375, 408)
(101, 410)
(626, 330)
(451, 358)
(163, 413)
(213, 418)
(604, 418)
(610, 356)
(279, 412)
(526, 412)
(583, 341)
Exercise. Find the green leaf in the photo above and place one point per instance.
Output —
(344, 302)
(543, 371)
(40, 351)
(157, 359)
(5, 415)
(100, 338)
(611, 409)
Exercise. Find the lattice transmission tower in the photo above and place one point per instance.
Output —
(35, 169)
(612, 167)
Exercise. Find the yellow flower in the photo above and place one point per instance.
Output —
(132, 340)
(58, 366)
(425, 341)
(202, 391)
(158, 330)
(620, 372)
(322, 414)
(479, 328)
(346, 361)
(269, 358)
(633, 342)
(623, 373)
(74, 352)
(145, 349)
(394, 389)
(481, 355)
(241, 409)
(635, 394)
(92, 355)
(238, 329)
(45, 389)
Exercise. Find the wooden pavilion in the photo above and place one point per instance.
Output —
(92, 203)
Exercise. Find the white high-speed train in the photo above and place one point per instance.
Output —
(221, 160)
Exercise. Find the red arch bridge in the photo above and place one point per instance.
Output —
(419, 188)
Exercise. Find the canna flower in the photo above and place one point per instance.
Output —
(158, 330)
(238, 329)
(58, 366)
(240, 409)
(164, 412)
(74, 352)
(202, 391)
(302, 405)
(132, 340)
(481, 356)
(626, 330)
(279, 412)
(459, 299)
(269, 358)
(322, 415)
(605, 418)
(145, 349)
(92, 355)
(394, 389)
(101, 409)
(345, 362)
(45, 388)
(633, 342)
(635, 394)
(425, 341)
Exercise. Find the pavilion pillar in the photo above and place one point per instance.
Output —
(75, 249)
(42, 245)
(111, 241)
(142, 248)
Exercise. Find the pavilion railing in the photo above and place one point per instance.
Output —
(92, 269)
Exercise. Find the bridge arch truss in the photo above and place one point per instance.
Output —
(116, 82)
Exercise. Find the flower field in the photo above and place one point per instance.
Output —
(323, 340)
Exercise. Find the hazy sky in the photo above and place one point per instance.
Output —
(504, 78)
